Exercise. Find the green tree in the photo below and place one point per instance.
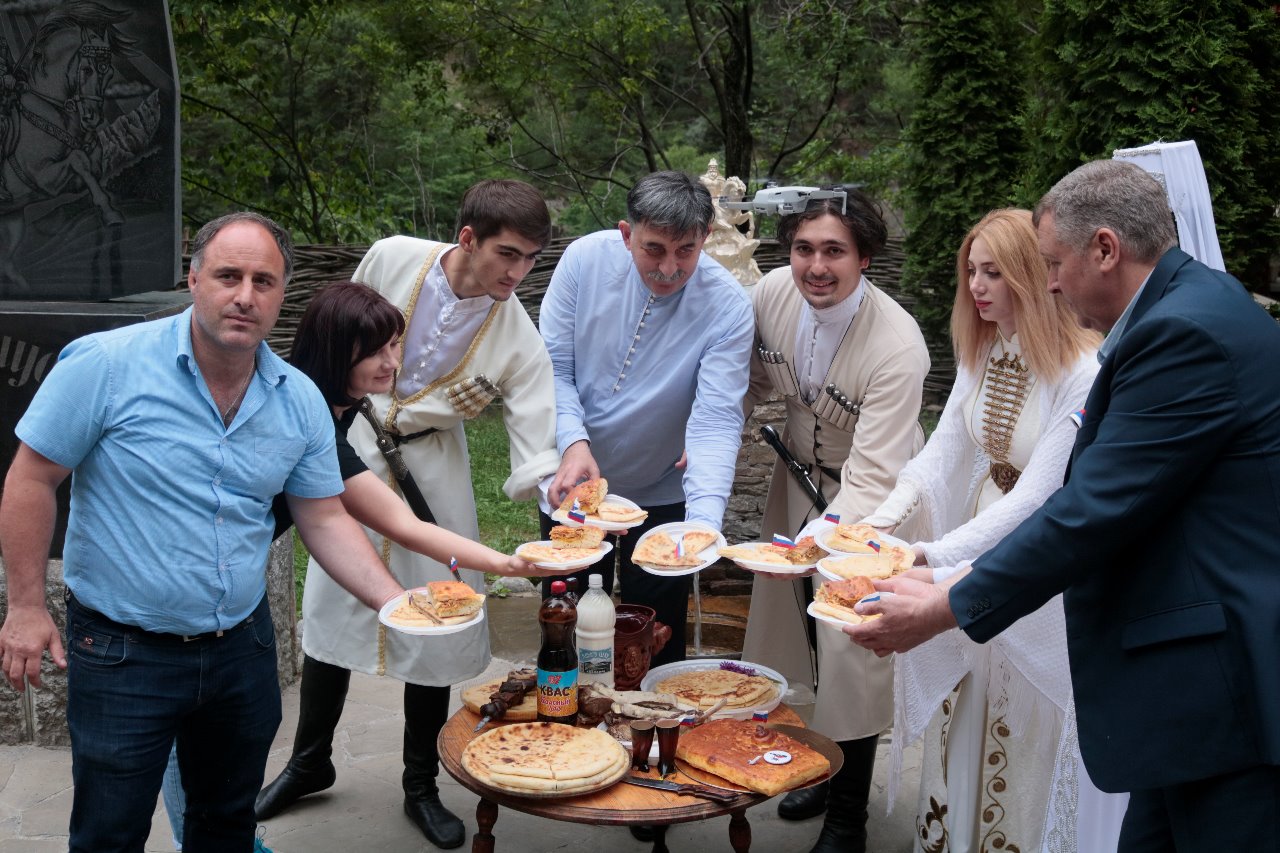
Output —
(1118, 74)
(965, 141)
(309, 112)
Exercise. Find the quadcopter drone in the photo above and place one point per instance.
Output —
(783, 200)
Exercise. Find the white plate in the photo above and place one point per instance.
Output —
(773, 568)
(589, 560)
(562, 516)
(839, 623)
(883, 539)
(709, 555)
(384, 616)
(661, 673)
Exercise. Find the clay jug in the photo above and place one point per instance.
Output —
(637, 637)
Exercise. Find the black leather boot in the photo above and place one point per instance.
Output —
(805, 803)
(845, 827)
(310, 768)
(425, 712)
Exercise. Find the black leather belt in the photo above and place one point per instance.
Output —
(398, 439)
(832, 474)
(144, 635)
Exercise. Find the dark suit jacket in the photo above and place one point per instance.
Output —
(1165, 541)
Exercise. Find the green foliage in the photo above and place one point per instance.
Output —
(1118, 74)
(965, 141)
(309, 112)
(504, 524)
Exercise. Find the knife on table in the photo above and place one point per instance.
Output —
(688, 790)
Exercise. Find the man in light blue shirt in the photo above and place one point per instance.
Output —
(179, 433)
(650, 341)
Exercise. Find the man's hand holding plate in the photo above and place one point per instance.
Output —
(915, 612)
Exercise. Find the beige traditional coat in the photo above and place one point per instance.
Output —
(880, 368)
(507, 350)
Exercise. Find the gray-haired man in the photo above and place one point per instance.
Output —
(650, 341)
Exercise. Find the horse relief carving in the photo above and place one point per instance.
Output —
(70, 123)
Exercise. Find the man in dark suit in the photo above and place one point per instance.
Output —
(1165, 539)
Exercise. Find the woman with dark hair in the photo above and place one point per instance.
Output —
(348, 343)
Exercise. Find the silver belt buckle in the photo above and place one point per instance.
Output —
(187, 639)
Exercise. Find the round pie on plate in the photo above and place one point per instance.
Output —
(545, 759)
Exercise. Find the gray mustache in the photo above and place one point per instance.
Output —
(657, 276)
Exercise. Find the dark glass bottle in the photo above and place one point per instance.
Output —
(558, 658)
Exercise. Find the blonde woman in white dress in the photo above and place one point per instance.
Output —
(1001, 768)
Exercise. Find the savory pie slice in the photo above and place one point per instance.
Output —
(838, 598)
(589, 494)
(733, 750)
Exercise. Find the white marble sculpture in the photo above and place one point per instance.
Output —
(726, 244)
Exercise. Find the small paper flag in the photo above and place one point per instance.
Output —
(874, 545)
(680, 547)
(760, 716)
(576, 513)
(831, 517)
(782, 541)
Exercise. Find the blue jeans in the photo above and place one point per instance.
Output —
(175, 801)
(131, 693)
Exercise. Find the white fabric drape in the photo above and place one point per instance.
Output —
(1177, 166)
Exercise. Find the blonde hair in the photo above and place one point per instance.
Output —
(1052, 341)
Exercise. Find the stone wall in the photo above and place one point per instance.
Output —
(40, 716)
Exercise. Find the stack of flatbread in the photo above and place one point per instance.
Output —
(732, 749)
(703, 688)
(659, 549)
(545, 758)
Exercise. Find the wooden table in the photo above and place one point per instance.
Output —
(619, 805)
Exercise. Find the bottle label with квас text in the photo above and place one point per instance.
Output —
(557, 693)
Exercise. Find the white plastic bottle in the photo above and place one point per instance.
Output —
(595, 634)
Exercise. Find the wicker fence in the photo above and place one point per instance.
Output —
(316, 266)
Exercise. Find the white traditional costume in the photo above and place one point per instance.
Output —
(1001, 764)
(451, 343)
(851, 376)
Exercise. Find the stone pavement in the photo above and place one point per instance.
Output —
(362, 811)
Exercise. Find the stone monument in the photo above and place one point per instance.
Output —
(727, 243)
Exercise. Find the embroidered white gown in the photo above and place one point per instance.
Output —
(1001, 764)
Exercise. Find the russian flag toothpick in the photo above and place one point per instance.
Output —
(453, 568)
(782, 541)
(760, 716)
(831, 517)
(576, 513)
(680, 547)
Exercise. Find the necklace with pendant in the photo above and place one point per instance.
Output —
(235, 404)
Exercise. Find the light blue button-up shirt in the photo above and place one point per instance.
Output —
(1112, 340)
(644, 378)
(170, 511)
